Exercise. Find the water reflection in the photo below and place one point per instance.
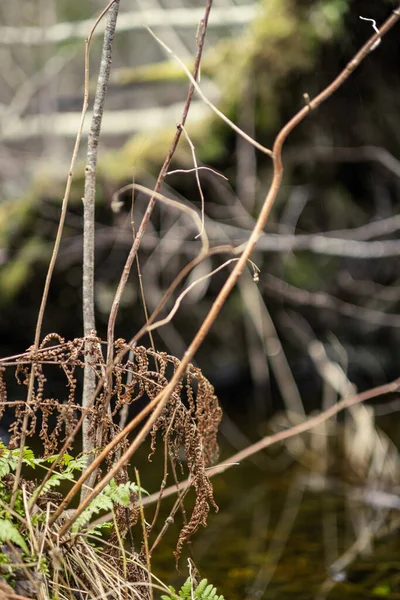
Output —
(296, 534)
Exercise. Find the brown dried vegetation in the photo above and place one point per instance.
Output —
(188, 423)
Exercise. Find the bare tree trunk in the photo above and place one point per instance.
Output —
(89, 383)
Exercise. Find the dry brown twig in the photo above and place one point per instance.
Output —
(160, 179)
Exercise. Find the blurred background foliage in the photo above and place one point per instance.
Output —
(340, 173)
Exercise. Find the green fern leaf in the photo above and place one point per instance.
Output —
(100, 503)
(122, 494)
(200, 589)
(112, 494)
(7, 464)
(208, 593)
(9, 533)
(172, 595)
(186, 589)
(8, 460)
(101, 528)
(28, 457)
(66, 459)
(204, 591)
(80, 463)
(55, 480)
(70, 463)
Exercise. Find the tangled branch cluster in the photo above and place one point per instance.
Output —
(57, 417)
(188, 424)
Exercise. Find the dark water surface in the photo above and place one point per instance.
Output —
(275, 537)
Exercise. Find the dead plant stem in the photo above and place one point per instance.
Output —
(160, 179)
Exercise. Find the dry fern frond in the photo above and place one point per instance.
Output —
(188, 424)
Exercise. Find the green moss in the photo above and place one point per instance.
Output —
(14, 215)
(15, 273)
(160, 72)
(284, 40)
(382, 590)
(307, 272)
(143, 153)
(146, 152)
(74, 10)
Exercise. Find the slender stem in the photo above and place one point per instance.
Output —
(161, 177)
(89, 327)
(164, 169)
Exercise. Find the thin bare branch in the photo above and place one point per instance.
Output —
(160, 179)
(89, 325)
(196, 170)
(181, 296)
(216, 110)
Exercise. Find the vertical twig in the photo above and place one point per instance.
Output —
(145, 534)
(161, 177)
(124, 413)
(57, 242)
(89, 327)
(164, 169)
